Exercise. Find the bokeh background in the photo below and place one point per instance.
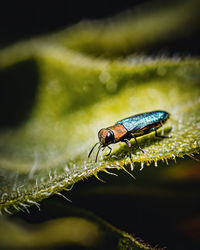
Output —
(162, 206)
(24, 20)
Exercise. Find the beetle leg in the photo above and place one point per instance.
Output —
(109, 151)
(161, 136)
(138, 145)
(130, 156)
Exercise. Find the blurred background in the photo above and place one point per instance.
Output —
(163, 203)
(22, 20)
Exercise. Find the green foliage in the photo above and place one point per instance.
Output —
(74, 95)
(81, 228)
(159, 24)
(49, 151)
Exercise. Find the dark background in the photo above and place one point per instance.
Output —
(25, 19)
(21, 20)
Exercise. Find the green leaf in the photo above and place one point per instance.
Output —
(55, 101)
(76, 228)
(143, 29)
(74, 100)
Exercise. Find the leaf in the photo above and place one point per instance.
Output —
(144, 29)
(79, 229)
(72, 97)
(49, 152)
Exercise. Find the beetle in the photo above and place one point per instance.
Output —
(131, 127)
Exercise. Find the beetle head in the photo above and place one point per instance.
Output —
(106, 136)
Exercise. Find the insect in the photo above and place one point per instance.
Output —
(130, 127)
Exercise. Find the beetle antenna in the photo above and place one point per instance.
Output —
(92, 149)
(98, 152)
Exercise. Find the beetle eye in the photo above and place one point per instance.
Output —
(109, 138)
